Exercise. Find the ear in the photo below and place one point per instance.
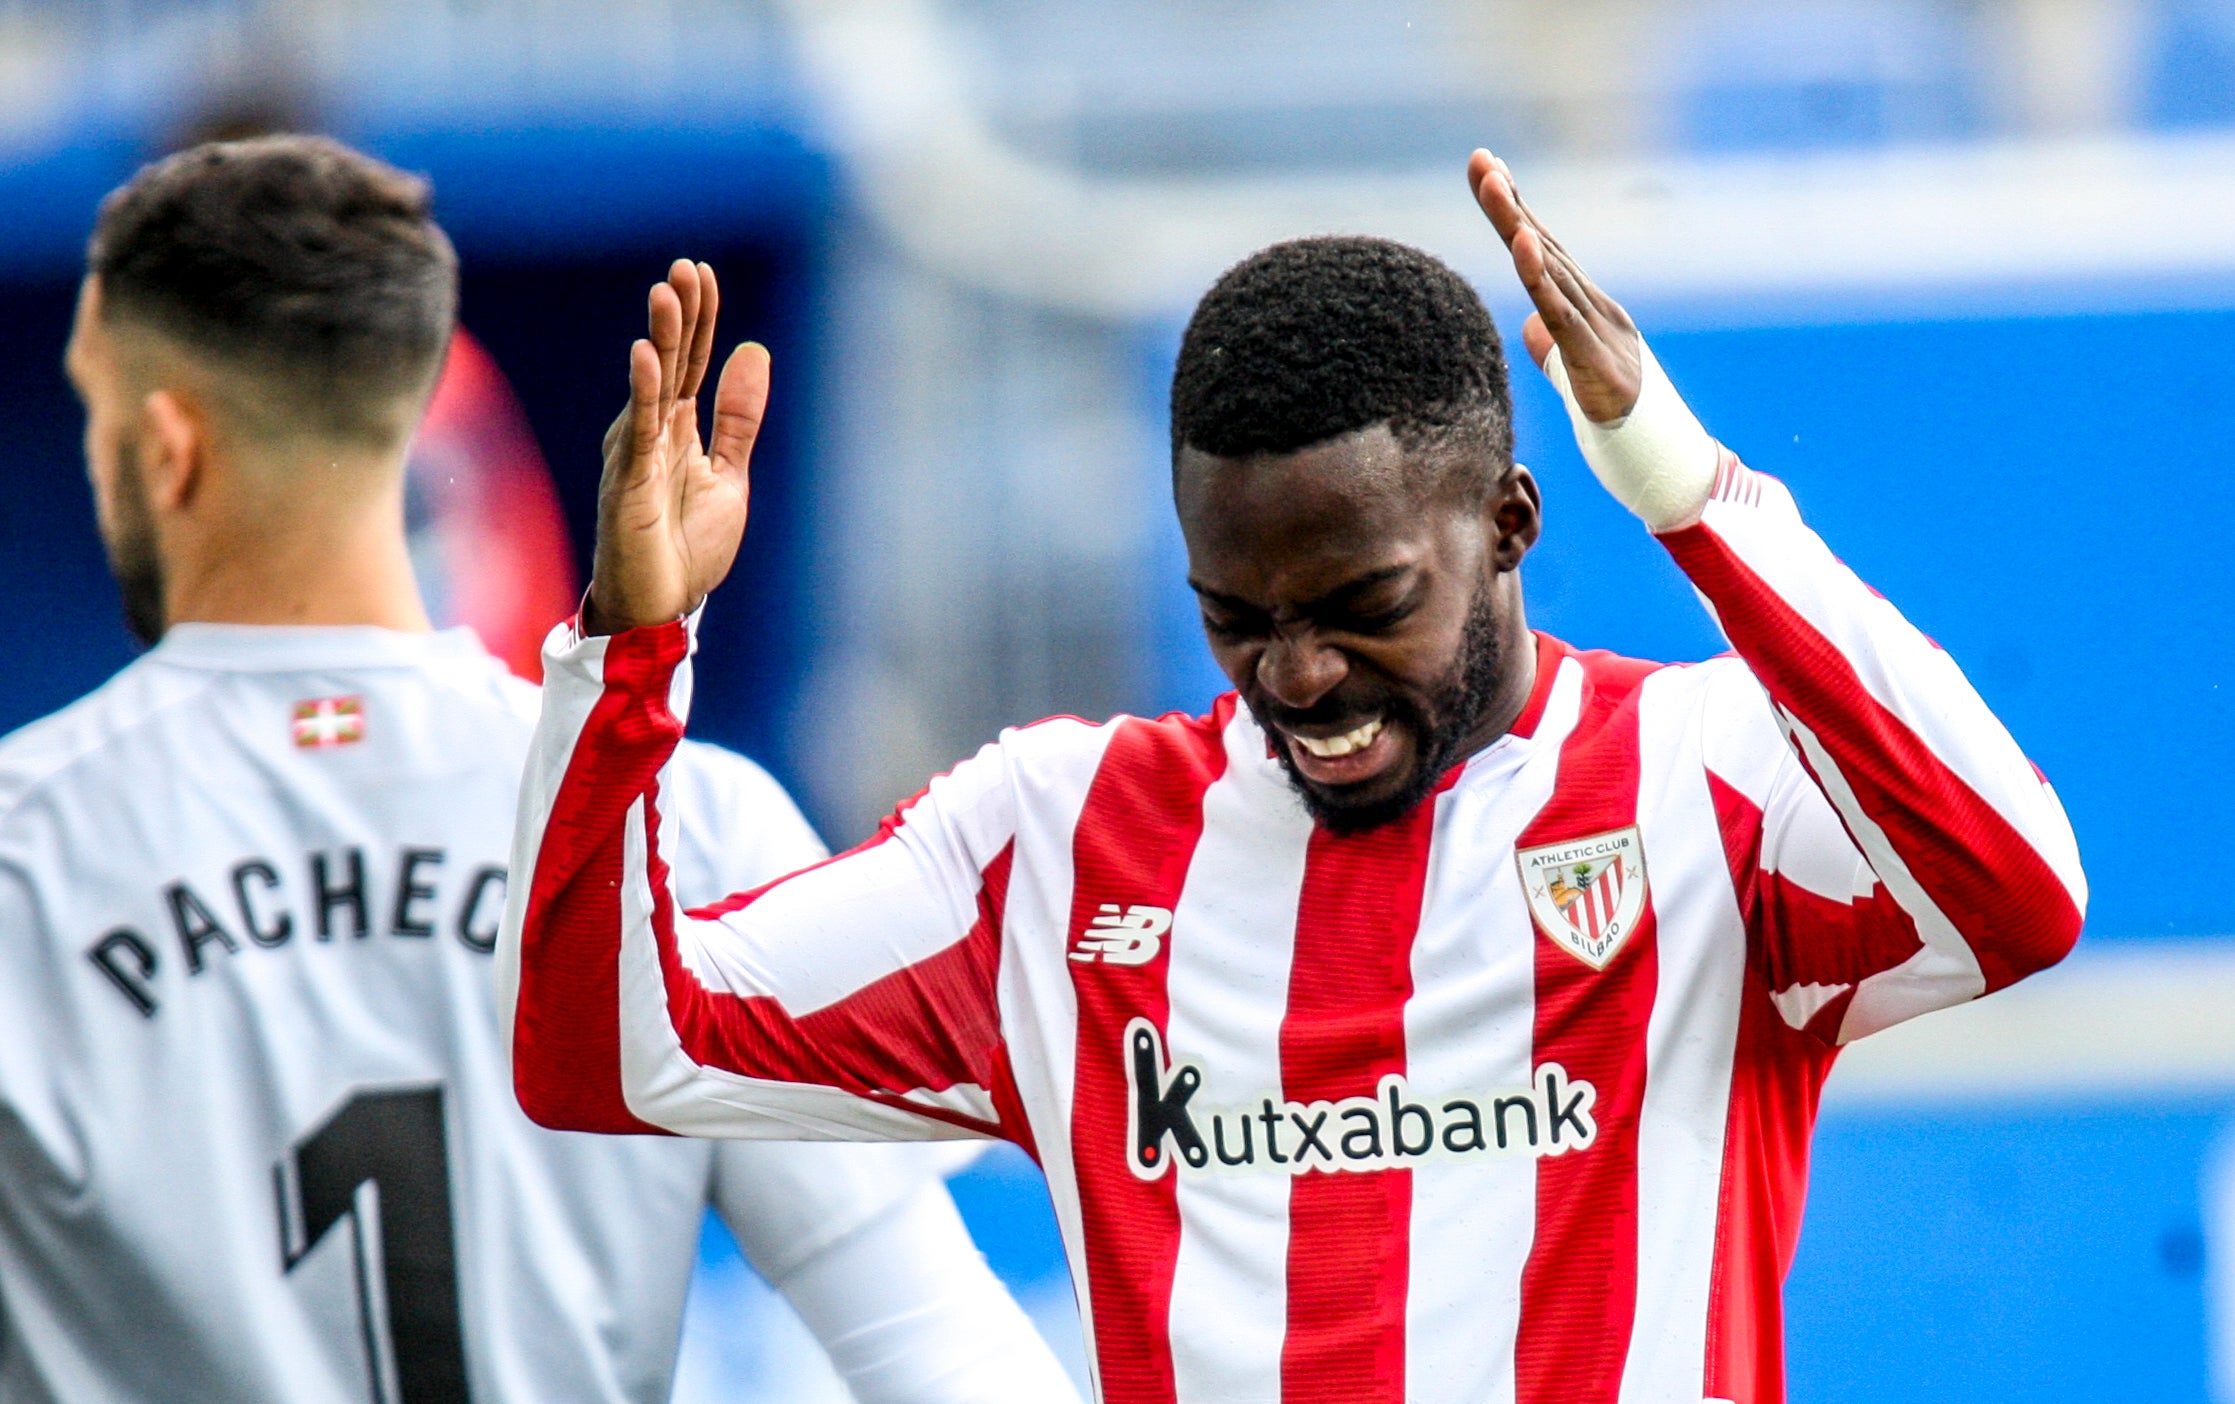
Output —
(1516, 510)
(174, 451)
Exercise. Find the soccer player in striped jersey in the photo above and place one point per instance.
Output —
(1439, 1019)
(257, 1135)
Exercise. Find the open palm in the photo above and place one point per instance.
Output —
(1599, 344)
(671, 508)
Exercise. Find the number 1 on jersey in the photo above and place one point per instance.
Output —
(382, 1162)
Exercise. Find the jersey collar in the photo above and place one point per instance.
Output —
(1549, 653)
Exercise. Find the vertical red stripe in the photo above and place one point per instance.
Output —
(1136, 835)
(566, 1033)
(1350, 1233)
(1776, 1076)
(1549, 653)
(1579, 1288)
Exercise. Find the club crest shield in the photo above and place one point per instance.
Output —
(1587, 894)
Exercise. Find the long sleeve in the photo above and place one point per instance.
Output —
(862, 1240)
(1893, 850)
(854, 1000)
(865, 1243)
(1909, 855)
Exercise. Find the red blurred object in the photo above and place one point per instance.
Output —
(488, 538)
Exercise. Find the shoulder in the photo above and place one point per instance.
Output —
(740, 827)
(1606, 680)
(1742, 740)
(1586, 696)
(1601, 701)
(1602, 683)
(1052, 764)
(481, 682)
(1063, 740)
(1715, 710)
(705, 774)
(34, 756)
(1055, 764)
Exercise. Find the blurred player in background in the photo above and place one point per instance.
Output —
(487, 537)
(257, 1138)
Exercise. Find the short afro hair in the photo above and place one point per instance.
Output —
(1315, 338)
(315, 269)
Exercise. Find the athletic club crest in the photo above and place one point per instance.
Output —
(1588, 894)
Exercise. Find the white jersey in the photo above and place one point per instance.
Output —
(257, 1136)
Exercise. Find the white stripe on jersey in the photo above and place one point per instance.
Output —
(1470, 1024)
(566, 710)
(1689, 1045)
(1235, 930)
(1039, 1007)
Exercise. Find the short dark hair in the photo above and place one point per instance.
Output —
(1315, 338)
(315, 268)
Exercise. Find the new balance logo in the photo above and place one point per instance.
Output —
(1128, 936)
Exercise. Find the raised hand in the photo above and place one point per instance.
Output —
(671, 510)
(1599, 344)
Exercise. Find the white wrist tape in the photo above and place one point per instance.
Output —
(1656, 460)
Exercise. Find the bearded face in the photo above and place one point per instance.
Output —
(128, 537)
(111, 387)
(1444, 720)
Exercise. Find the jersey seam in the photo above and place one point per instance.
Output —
(46, 778)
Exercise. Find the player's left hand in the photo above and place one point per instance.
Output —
(1599, 344)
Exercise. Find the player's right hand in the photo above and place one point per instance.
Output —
(671, 510)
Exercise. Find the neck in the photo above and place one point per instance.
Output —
(343, 563)
(1516, 681)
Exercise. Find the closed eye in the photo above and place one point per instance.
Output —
(1230, 625)
(1370, 621)
(1362, 606)
(1370, 609)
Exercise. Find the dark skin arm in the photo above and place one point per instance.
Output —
(1598, 342)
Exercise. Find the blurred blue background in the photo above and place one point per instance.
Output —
(1961, 271)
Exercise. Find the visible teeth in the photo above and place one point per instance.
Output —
(1342, 745)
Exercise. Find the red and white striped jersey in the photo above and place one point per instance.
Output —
(1509, 1100)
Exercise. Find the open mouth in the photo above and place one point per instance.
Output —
(1346, 758)
(1329, 747)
